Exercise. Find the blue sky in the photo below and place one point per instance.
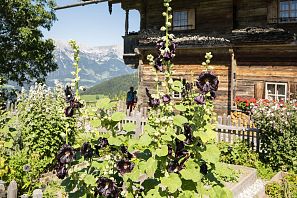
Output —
(91, 24)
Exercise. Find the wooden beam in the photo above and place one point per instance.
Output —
(80, 4)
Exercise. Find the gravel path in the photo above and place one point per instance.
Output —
(252, 190)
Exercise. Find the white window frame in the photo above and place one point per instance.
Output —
(289, 11)
(275, 95)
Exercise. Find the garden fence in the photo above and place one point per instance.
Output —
(228, 129)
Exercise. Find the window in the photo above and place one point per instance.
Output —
(276, 91)
(184, 20)
(288, 11)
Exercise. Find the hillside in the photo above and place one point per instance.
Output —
(114, 87)
(97, 64)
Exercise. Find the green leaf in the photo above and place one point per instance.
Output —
(173, 182)
(166, 137)
(149, 129)
(97, 165)
(8, 144)
(145, 140)
(180, 120)
(178, 83)
(180, 107)
(191, 174)
(205, 136)
(95, 123)
(211, 154)
(118, 116)
(103, 103)
(181, 137)
(90, 180)
(163, 151)
(129, 127)
(151, 167)
(114, 141)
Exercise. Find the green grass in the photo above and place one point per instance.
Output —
(115, 87)
(91, 98)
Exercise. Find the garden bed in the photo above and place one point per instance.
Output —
(277, 179)
(247, 177)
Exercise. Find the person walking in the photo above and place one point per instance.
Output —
(135, 99)
(130, 99)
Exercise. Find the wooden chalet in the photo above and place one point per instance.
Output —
(253, 42)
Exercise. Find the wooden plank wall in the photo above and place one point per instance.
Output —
(251, 13)
(249, 76)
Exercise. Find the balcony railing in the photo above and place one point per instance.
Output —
(282, 20)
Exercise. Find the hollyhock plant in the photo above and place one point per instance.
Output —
(178, 139)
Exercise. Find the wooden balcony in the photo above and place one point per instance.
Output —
(131, 58)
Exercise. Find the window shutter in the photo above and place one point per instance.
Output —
(259, 90)
(293, 91)
(191, 18)
(272, 11)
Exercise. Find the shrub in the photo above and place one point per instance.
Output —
(287, 187)
(239, 153)
(33, 135)
(277, 122)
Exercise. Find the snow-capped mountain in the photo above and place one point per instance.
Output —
(97, 64)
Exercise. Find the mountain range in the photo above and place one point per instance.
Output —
(97, 64)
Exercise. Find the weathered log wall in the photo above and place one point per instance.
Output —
(251, 78)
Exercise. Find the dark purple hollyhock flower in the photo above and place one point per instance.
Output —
(188, 134)
(207, 81)
(200, 100)
(125, 166)
(158, 64)
(106, 188)
(102, 143)
(61, 171)
(174, 166)
(86, 150)
(69, 111)
(160, 45)
(180, 150)
(166, 99)
(76, 104)
(153, 102)
(68, 94)
(203, 169)
(65, 154)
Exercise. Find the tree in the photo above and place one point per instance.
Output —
(25, 55)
